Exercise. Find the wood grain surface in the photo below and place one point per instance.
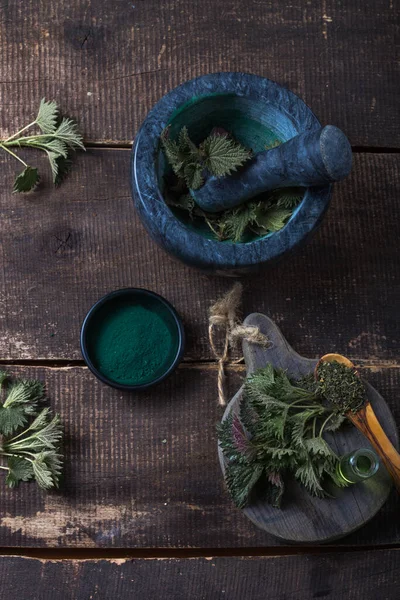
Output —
(108, 61)
(374, 575)
(142, 470)
(62, 250)
(304, 518)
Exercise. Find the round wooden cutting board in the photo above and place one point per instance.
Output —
(303, 518)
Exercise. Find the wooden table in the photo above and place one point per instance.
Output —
(142, 480)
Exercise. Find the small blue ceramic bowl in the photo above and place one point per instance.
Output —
(255, 111)
(120, 300)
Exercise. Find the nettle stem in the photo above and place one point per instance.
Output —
(12, 154)
(324, 423)
(14, 135)
(20, 141)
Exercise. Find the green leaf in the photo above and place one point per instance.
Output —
(193, 176)
(20, 469)
(42, 472)
(25, 391)
(53, 462)
(228, 443)
(11, 418)
(287, 198)
(64, 167)
(272, 219)
(53, 164)
(318, 446)
(47, 116)
(27, 180)
(21, 401)
(41, 420)
(184, 202)
(187, 147)
(171, 151)
(68, 132)
(222, 155)
(235, 223)
(299, 423)
(335, 422)
(240, 481)
(51, 434)
(57, 147)
(248, 416)
(307, 475)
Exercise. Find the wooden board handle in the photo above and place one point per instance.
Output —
(365, 420)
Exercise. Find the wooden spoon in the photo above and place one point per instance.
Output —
(366, 421)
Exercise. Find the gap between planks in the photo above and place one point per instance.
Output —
(60, 554)
(209, 364)
(127, 145)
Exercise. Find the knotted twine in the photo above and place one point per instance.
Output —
(223, 318)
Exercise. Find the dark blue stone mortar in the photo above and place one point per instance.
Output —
(255, 111)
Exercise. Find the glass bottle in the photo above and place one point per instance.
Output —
(357, 466)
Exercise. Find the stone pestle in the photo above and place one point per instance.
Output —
(318, 157)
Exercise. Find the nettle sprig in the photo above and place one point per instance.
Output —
(221, 155)
(34, 452)
(278, 431)
(59, 138)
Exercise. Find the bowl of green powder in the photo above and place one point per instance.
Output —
(132, 339)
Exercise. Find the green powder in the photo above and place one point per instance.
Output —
(132, 344)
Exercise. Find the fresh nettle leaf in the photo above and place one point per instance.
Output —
(62, 168)
(278, 430)
(187, 147)
(59, 137)
(20, 469)
(47, 116)
(34, 452)
(172, 152)
(335, 422)
(22, 401)
(241, 480)
(272, 219)
(193, 176)
(223, 155)
(234, 223)
(288, 198)
(184, 202)
(68, 132)
(27, 180)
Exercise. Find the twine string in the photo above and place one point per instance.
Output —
(224, 318)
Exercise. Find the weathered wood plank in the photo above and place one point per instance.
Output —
(60, 251)
(108, 62)
(142, 470)
(334, 576)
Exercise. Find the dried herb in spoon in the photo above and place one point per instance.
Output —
(341, 386)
